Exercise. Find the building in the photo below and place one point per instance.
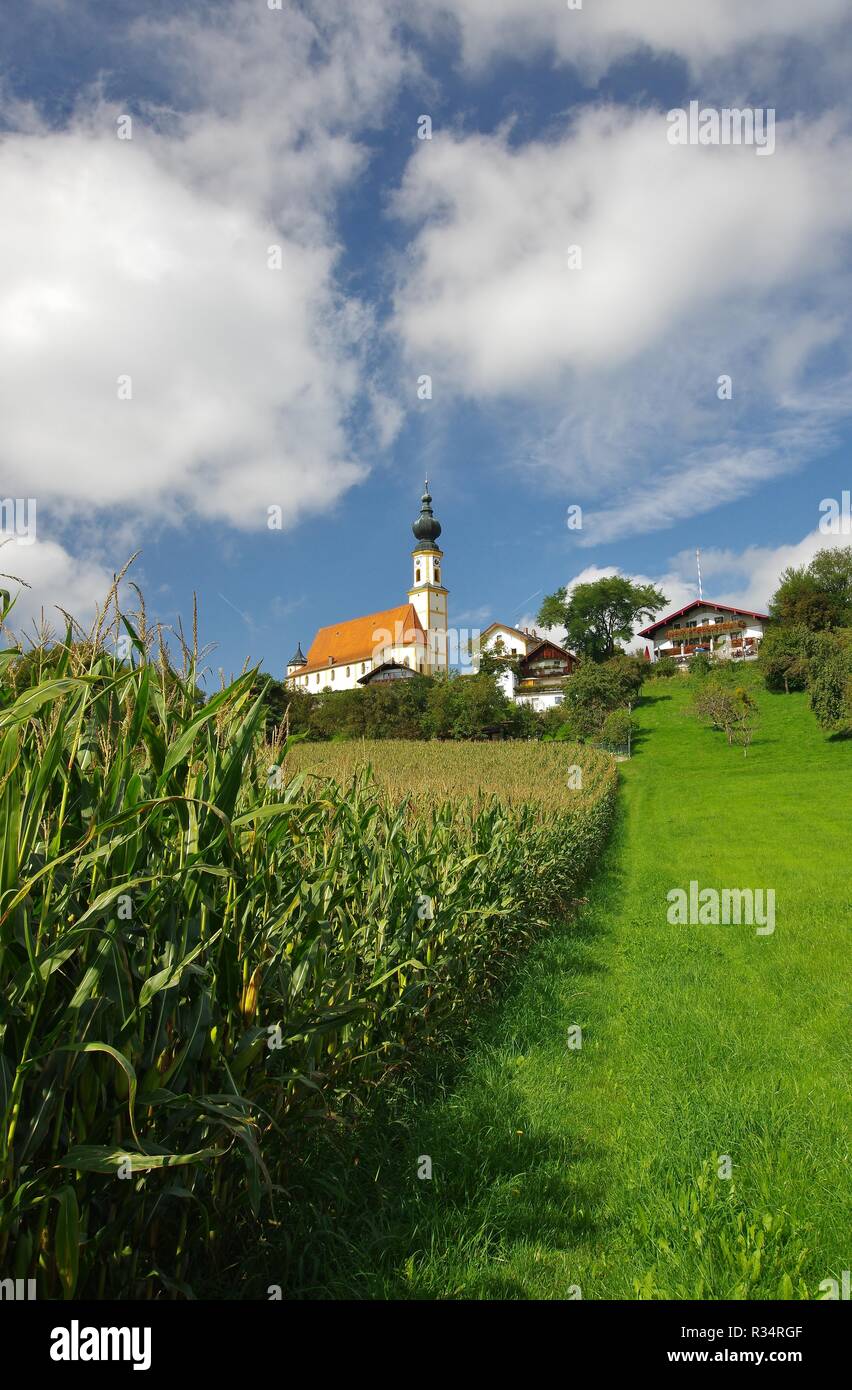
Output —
(389, 671)
(712, 627)
(536, 666)
(413, 634)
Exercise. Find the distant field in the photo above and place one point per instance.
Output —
(515, 772)
(599, 1169)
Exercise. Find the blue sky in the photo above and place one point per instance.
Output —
(254, 387)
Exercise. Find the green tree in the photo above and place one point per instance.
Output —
(481, 708)
(630, 673)
(830, 681)
(474, 707)
(817, 596)
(783, 659)
(734, 711)
(741, 729)
(832, 572)
(590, 694)
(441, 708)
(599, 615)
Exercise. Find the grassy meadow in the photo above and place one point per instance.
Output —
(561, 1172)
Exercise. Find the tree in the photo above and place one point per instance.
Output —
(742, 727)
(830, 681)
(832, 572)
(799, 602)
(733, 711)
(783, 659)
(481, 708)
(495, 660)
(598, 615)
(817, 596)
(591, 693)
(471, 707)
(630, 674)
(713, 703)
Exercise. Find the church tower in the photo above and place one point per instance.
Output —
(427, 594)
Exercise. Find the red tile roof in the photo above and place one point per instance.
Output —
(359, 638)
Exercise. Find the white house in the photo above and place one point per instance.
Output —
(542, 665)
(705, 626)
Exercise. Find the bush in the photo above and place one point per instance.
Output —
(725, 669)
(664, 668)
(699, 664)
(471, 707)
(594, 690)
(618, 729)
(784, 657)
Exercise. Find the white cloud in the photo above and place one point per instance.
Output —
(695, 485)
(603, 31)
(254, 387)
(750, 577)
(664, 231)
(697, 263)
(149, 258)
(240, 374)
(50, 575)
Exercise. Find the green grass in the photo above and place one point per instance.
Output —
(554, 1168)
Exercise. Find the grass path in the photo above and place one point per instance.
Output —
(556, 1169)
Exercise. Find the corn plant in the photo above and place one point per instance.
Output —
(205, 935)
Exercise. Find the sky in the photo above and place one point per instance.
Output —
(237, 237)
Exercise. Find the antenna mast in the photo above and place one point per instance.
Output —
(698, 561)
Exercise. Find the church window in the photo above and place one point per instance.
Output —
(417, 577)
(437, 575)
(347, 670)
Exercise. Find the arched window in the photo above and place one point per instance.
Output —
(437, 575)
(347, 670)
(417, 576)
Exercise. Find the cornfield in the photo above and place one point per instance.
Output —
(205, 936)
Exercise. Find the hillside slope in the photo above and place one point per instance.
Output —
(595, 1172)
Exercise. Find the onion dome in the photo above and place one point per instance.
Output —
(426, 528)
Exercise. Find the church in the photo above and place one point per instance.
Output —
(411, 639)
